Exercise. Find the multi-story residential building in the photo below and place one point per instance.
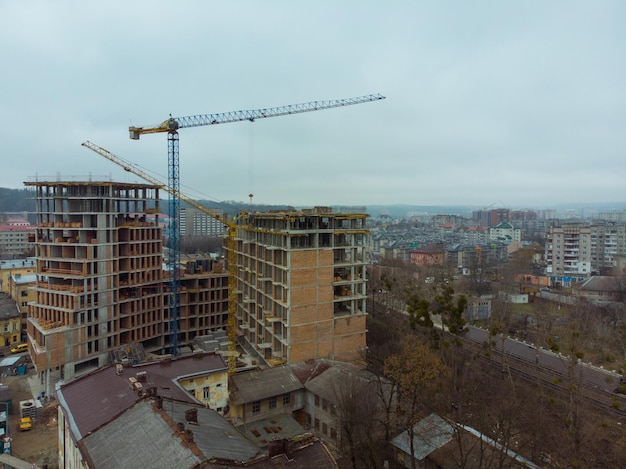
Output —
(100, 267)
(301, 288)
(15, 267)
(549, 214)
(16, 238)
(193, 222)
(474, 234)
(468, 258)
(101, 283)
(613, 215)
(22, 291)
(491, 217)
(607, 243)
(431, 254)
(582, 249)
(568, 251)
(505, 232)
(9, 321)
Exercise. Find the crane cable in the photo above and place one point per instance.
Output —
(250, 163)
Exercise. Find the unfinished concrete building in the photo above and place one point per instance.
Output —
(301, 287)
(101, 284)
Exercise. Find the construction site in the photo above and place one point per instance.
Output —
(292, 285)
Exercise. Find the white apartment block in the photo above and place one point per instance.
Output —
(193, 222)
(506, 233)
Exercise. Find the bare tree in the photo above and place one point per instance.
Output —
(421, 378)
(357, 395)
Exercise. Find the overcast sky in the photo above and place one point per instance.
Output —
(516, 103)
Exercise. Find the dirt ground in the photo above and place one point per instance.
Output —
(40, 444)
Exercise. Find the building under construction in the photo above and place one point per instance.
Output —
(301, 286)
(101, 285)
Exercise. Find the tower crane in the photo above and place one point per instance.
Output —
(229, 223)
(171, 126)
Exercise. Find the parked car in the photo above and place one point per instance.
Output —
(25, 424)
(19, 348)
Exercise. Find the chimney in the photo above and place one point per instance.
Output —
(188, 436)
(159, 402)
(180, 427)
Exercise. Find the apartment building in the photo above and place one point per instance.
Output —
(506, 233)
(583, 249)
(16, 238)
(15, 267)
(491, 217)
(100, 274)
(9, 321)
(193, 222)
(568, 251)
(20, 289)
(100, 279)
(608, 243)
(301, 287)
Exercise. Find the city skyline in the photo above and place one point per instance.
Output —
(516, 105)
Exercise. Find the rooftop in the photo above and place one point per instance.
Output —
(95, 399)
(8, 307)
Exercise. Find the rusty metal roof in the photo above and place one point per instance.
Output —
(93, 400)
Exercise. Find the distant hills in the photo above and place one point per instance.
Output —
(22, 200)
(16, 200)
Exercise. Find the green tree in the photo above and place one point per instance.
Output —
(419, 311)
(450, 309)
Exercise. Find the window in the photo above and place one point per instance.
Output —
(325, 429)
(206, 393)
(317, 424)
(256, 407)
(324, 404)
(24, 293)
(317, 401)
(272, 402)
(286, 398)
(333, 433)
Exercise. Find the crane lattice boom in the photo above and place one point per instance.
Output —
(173, 124)
(133, 168)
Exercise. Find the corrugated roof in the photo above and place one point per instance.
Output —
(603, 283)
(268, 429)
(429, 434)
(8, 307)
(95, 399)
(251, 386)
(138, 438)
(214, 436)
(327, 383)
